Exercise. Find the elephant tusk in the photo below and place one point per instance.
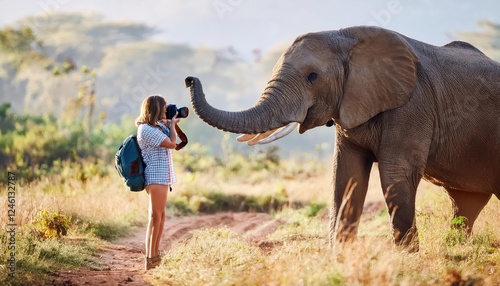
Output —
(282, 132)
(258, 138)
(245, 137)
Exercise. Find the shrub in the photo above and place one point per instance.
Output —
(457, 233)
(314, 208)
(195, 158)
(106, 230)
(51, 224)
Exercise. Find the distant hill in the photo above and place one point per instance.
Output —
(130, 65)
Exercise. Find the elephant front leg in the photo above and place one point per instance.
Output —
(351, 175)
(399, 183)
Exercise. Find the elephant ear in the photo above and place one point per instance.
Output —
(381, 76)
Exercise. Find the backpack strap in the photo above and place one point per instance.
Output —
(134, 137)
(182, 136)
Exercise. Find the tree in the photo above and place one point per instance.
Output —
(487, 40)
(20, 45)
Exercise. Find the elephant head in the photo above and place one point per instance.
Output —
(347, 76)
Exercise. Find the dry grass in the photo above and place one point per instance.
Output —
(298, 252)
(299, 181)
(99, 208)
(98, 199)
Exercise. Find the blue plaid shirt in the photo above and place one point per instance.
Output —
(159, 162)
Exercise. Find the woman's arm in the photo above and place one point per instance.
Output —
(171, 142)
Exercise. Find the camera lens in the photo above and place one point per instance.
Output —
(183, 112)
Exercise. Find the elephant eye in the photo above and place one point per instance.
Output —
(312, 77)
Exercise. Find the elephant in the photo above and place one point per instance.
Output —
(420, 111)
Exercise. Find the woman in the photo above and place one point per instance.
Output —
(156, 137)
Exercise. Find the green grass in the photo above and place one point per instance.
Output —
(36, 259)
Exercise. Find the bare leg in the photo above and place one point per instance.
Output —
(468, 205)
(157, 202)
(149, 230)
(162, 224)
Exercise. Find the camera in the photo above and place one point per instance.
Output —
(183, 112)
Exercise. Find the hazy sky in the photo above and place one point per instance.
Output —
(262, 24)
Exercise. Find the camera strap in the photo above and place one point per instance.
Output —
(182, 136)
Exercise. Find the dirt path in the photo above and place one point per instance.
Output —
(123, 263)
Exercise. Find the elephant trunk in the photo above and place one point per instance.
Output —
(262, 117)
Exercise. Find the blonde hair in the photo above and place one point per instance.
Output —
(152, 110)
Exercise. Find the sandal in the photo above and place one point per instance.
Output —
(156, 260)
(152, 262)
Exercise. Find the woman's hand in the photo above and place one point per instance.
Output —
(174, 120)
(171, 141)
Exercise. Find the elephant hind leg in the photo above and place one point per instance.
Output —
(468, 205)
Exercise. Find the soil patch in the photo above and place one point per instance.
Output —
(122, 261)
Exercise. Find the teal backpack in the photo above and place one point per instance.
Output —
(130, 165)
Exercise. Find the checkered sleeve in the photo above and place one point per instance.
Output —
(154, 136)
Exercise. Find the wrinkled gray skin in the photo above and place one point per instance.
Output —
(420, 111)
